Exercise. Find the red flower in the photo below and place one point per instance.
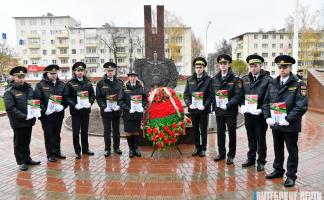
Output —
(159, 145)
(149, 130)
(156, 130)
(161, 135)
(182, 124)
(171, 133)
(174, 125)
(166, 140)
(174, 140)
(166, 128)
(155, 139)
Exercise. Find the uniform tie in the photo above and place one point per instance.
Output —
(254, 78)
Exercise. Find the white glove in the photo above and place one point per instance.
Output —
(283, 122)
(87, 105)
(38, 114)
(78, 107)
(224, 107)
(270, 121)
(256, 112)
(242, 109)
(116, 107)
(192, 106)
(213, 113)
(201, 108)
(49, 112)
(107, 109)
(29, 117)
(131, 111)
(140, 109)
(58, 108)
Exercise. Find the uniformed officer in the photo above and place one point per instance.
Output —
(255, 83)
(229, 93)
(76, 89)
(108, 89)
(51, 119)
(16, 97)
(132, 91)
(199, 82)
(290, 95)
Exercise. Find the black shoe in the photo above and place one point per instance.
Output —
(137, 152)
(248, 163)
(195, 152)
(78, 156)
(219, 158)
(60, 156)
(289, 182)
(51, 159)
(33, 162)
(90, 153)
(260, 167)
(274, 174)
(107, 153)
(23, 167)
(229, 161)
(202, 153)
(131, 153)
(118, 151)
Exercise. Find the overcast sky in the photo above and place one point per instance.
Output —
(229, 18)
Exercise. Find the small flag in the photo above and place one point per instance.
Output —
(4, 36)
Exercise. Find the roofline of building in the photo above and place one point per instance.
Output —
(268, 32)
(133, 27)
(45, 16)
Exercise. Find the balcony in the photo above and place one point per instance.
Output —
(62, 45)
(33, 46)
(62, 35)
(62, 55)
(91, 44)
(34, 56)
(93, 65)
(31, 36)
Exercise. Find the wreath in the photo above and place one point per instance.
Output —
(164, 120)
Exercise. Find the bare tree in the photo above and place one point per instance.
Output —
(7, 60)
(223, 46)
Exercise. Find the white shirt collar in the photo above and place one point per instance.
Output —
(284, 80)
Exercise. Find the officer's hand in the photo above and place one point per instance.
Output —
(49, 112)
(116, 107)
(283, 122)
(270, 121)
(224, 107)
(38, 114)
(87, 105)
(29, 117)
(192, 106)
(59, 108)
(201, 107)
(140, 109)
(107, 109)
(78, 107)
(256, 112)
(242, 109)
(131, 111)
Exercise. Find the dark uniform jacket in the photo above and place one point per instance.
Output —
(124, 100)
(43, 90)
(235, 93)
(15, 99)
(205, 85)
(293, 93)
(106, 88)
(258, 87)
(74, 86)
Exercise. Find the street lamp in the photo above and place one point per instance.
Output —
(206, 39)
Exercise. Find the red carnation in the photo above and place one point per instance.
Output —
(156, 130)
(174, 140)
(161, 135)
(166, 140)
(166, 128)
(155, 139)
(174, 125)
(159, 145)
(182, 124)
(149, 130)
(171, 133)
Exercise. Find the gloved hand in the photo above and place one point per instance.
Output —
(131, 111)
(78, 107)
(201, 108)
(283, 122)
(87, 105)
(140, 109)
(256, 112)
(38, 114)
(29, 117)
(270, 121)
(107, 109)
(242, 109)
(116, 107)
(49, 112)
(224, 107)
(192, 106)
(213, 113)
(58, 108)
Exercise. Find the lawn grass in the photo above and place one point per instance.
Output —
(2, 108)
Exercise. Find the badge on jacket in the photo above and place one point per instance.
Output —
(303, 90)
(239, 83)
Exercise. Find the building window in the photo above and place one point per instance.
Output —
(264, 36)
(73, 41)
(64, 61)
(81, 41)
(290, 46)
(92, 70)
(33, 22)
(120, 60)
(255, 46)
(273, 54)
(111, 60)
(43, 22)
(273, 64)
(281, 46)
(33, 32)
(91, 49)
(53, 32)
(52, 41)
(280, 53)
(273, 73)
(102, 51)
(273, 36)
(22, 22)
(264, 45)
(91, 60)
(73, 60)
(281, 37)
(73, 51)
(43, 32)
(265, 64)
(63, 51)
(44, 52)
(82, 60)
(139, 50)
(273, 46)
(25, 62)
(102, 60)
(120, 49)
(44, 62)
(54, 61)
(265, 55)
(255, 36)
(81, 51)
(53, 52)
